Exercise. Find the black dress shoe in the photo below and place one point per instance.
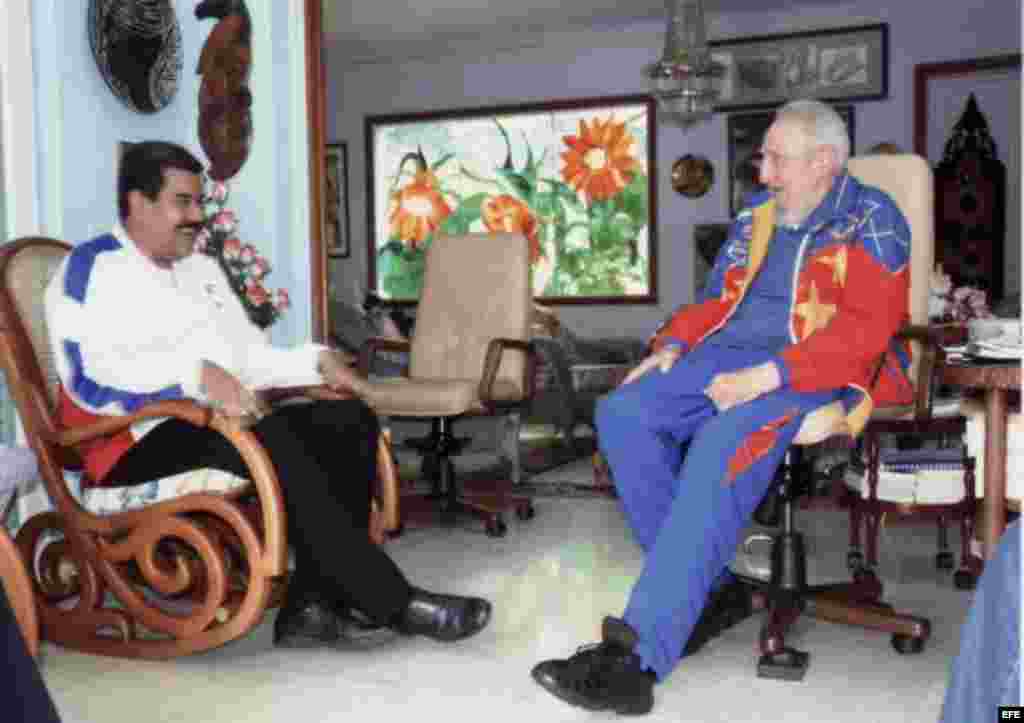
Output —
(305, 622)
(355, 630)
(604, 676)
(444, 617)
(309, 622)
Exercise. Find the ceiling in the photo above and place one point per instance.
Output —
(368, 31)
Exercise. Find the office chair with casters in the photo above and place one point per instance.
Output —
(469, 355)
(158, 570)
(787, 596)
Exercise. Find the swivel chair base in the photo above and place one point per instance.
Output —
(787, 596)
(486, 501)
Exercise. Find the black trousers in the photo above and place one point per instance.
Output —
(325, 456)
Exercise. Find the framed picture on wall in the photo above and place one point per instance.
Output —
(744, 134)
(336, 228)
(576, 177)
(834, 65)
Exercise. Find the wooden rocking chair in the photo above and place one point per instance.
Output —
(163, 579)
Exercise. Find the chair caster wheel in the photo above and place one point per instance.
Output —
(496, 527)
(526, 511)
(855, 560)
(907, 645)
(789, 664)
(964, 580)
(944, 560)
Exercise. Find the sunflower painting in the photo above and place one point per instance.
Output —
(574, 177)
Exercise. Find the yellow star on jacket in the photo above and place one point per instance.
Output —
(837, 261)
(815, 314)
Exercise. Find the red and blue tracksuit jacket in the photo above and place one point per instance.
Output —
(851, 297)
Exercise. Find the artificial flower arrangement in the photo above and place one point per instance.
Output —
(959, 304)
(243, 266)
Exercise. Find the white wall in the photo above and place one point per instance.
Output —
(79, 122)
(609, 62)
(17, 122)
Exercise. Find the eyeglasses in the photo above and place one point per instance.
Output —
(775, 158)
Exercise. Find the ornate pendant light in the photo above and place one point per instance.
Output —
(686, 81)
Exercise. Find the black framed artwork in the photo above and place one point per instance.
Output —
(575, 176)
(834, 65)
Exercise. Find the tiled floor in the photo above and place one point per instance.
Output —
(551, 580)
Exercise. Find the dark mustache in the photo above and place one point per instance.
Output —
(190, 226)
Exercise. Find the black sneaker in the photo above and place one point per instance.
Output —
(602, 676)
(729, 604)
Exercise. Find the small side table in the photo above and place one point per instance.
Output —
(996, 379)
(17, 469)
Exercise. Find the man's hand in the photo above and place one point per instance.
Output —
(336, 369)
(728, 390)
(227, 395)
(663, 360)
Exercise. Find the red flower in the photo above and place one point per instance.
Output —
(232, 248)
(256, 294)
(600, 162)
(506, 213)
(418, 209)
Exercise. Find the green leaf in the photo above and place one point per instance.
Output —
(441, 161)
(402, 276)
(520, 184)
(633, 200)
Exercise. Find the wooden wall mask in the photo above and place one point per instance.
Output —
(137, 49)
(225, 101)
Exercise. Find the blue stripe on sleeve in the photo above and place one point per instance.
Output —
(83, 257)
(98, 396)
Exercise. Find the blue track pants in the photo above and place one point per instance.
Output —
(687, 512)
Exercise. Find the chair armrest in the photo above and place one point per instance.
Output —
(930, 359)
(492, 362)
(262, 473)
(374, 344)
(186, 409)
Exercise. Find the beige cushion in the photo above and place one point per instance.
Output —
(399, 396)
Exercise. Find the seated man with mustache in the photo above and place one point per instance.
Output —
(135, 316)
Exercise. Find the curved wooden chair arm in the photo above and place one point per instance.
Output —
(185, 409)
(18, 587)
(261, 470)
(492, 362)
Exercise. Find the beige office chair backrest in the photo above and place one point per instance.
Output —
(908, 179)
(476, 287)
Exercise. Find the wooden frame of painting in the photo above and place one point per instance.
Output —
(575, 176)
(744, 133)
(336, 227)
(839, 64)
